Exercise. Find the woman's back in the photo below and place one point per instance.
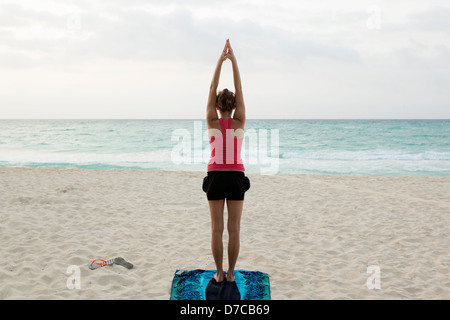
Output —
(226, 146)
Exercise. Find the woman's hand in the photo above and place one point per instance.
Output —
(230, 55)
(225, 54)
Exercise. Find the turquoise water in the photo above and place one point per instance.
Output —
(351, 147)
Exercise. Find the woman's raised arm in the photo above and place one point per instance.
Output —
(239, 113)
(211, 113)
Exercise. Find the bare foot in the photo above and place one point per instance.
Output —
(219, 276)
(230, 276)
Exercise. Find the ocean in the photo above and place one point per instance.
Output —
(336, 147)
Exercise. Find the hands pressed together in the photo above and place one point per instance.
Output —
(227, 53)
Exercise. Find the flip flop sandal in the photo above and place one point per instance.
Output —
(121, 261)
(95, 264)
(98, 263)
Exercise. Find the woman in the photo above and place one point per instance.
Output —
(225, 179)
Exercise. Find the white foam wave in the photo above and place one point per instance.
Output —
(28, 156)
(367, 155)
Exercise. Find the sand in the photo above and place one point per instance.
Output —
(315, 235)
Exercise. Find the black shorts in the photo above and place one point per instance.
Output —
(230, 185)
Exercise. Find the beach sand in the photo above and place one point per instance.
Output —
(315, 235)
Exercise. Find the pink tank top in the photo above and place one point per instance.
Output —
(226, 147)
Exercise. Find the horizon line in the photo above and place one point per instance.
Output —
(251, 119)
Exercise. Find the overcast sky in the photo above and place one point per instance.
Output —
(155, 59)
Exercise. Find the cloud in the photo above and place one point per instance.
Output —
(435, 19)
(138, 33)
(321, 56)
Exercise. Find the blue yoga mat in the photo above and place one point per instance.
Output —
(200, 285)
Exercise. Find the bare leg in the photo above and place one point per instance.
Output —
(216, 210)
(234, 226)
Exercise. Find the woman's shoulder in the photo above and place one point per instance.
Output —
(237, 124)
